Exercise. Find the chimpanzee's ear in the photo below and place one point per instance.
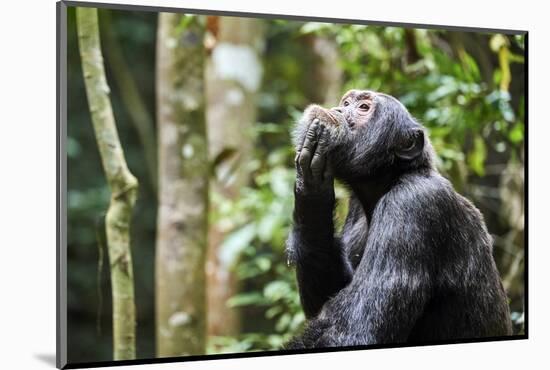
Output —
(412, 147)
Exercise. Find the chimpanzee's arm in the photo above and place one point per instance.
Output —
(391, 285)
(322, 269)
(355, 231)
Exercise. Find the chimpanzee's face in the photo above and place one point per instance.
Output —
(357, 107)
(368, 133)
(374, 132)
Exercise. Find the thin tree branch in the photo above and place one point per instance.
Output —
(129, 92)
(122, 183)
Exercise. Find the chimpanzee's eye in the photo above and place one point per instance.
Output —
(364, 106)
(346, 103)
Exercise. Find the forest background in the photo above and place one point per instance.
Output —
(257, 76)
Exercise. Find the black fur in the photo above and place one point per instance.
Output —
(414, 260)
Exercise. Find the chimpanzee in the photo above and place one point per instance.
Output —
(414, 260)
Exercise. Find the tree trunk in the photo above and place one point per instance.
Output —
(183, 187)
(233, 77)
(122, 183)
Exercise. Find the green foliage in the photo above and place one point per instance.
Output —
(467, 116)
(260, 219)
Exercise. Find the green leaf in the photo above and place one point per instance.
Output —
(313, 27)
(516, 133)
(73, 147)
(476, 158)
(267, 226)
(235, 243)
(185, 22)
(276, 290)
(297, 320)
(245, 299)
(263, 263)
(283, 323)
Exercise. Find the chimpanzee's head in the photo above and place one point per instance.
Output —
(373, 134)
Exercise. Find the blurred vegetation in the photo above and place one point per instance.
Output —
(466, 88)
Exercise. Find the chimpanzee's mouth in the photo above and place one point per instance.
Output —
(337, 119)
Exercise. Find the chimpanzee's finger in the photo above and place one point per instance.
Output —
(319, 157)
(308, 149)
(301, 144)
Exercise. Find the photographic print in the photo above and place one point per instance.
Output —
(237, 184)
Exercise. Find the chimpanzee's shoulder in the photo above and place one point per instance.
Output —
(418, 190)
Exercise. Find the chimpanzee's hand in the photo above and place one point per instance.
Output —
(314, 174)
